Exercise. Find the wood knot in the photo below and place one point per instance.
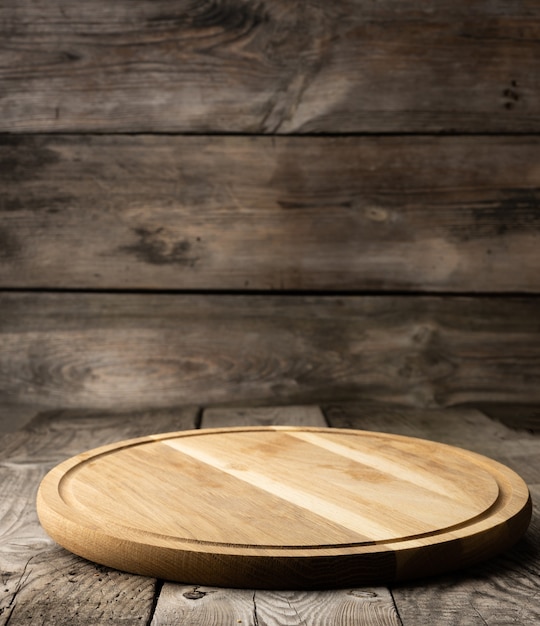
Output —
(377, 214)
(195, 594)
(511, 95)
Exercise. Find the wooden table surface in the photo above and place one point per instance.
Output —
(44, 584)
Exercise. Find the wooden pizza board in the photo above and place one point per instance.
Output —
(283, 507)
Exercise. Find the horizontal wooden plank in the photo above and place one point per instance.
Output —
(221, 417)
(234, 65)
(283, 213)
(209, 606)
(139, 351)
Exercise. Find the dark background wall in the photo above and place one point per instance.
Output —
(233, 201)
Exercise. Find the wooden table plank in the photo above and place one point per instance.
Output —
(221, 417)
(42, 583)
(125, 352)
(502, 590)
(55, 435)
(209, 606)
(344, 66)
(58, 588)
(270, 213)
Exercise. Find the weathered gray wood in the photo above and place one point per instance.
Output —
(58, 588)
(21, 536)
(15, 415)
(234, 65)
(125, 352)
(220, 417)
(42, 583)
(424, 213)
(207, 606)
(57, 434)
(501, 591)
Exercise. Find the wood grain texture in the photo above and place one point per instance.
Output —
(502, 590)
(57, 434)
(240, 66)
(348, 507)
(124, 352)
(59, 588)
(282, 213)
(213, 606)
(42, 583)
(220, 417)
(465, 427)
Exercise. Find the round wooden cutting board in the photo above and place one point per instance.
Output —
(283, 507)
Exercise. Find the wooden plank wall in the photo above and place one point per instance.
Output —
(233, 201)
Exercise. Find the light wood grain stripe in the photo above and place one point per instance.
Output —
(406, 473)
(366, 527)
